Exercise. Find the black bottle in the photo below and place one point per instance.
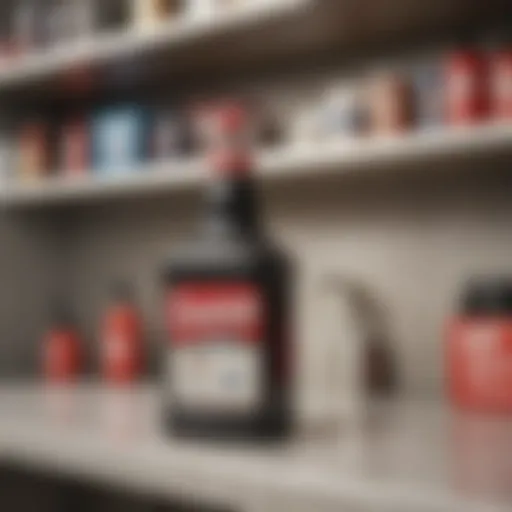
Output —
(227, 312)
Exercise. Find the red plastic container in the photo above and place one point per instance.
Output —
(62, 361)
(121, 350)
(479, 355)
(467, 88)
(75, 147)
(501, 84)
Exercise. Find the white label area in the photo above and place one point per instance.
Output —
(217, 375)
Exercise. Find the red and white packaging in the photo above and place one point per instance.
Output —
(466, 88)
(217, 358)
(501, 84)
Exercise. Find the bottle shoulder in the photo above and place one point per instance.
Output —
(245, 256)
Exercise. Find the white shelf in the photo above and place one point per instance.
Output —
(114, 47)
(400, 457)
(255, 32)
(336, 158)
(149, 179)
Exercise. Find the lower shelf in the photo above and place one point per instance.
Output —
(401, 457)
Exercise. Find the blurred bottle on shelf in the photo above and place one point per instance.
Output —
(27, 29)
(120, 139)
(67, 20)
(62, 350)
(390, 103)
(34, 150)
(479, 348)
(75, 146)
(265, 130)
(171, 133)
(501, 81)
(208, 9)
(201, 9)
(428, 110)
(111, 15)
(466, 87)
(202, 127)
(341, 112)
(148, 14)
(121, 343)
(227, 307)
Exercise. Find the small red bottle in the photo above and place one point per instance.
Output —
(75, 147)
(62, 356)
(121, 339)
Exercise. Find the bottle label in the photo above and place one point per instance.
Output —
(216, 359)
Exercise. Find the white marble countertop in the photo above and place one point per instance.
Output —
(402, 457)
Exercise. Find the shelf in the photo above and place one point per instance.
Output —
(149, 179)
(399, 457)
(238, 39)
(333, 159)
(47, 66)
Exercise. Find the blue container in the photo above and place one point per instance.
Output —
(120, 139)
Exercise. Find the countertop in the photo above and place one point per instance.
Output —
(398, 457)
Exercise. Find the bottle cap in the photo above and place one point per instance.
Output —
(231, 136)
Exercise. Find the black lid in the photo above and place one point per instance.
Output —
(488, 296)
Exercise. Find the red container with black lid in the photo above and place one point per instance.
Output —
(479, 356)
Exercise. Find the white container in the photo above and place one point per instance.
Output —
(148, 14)
(340, 112)
(208, 9)
(345, 327)
(201, 9)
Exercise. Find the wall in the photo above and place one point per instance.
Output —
(29, 277)
(411, 238)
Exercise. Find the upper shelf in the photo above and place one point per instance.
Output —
(444, 147)
(189, 34)
(237, 39)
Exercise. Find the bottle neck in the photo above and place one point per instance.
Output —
(231, 207)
